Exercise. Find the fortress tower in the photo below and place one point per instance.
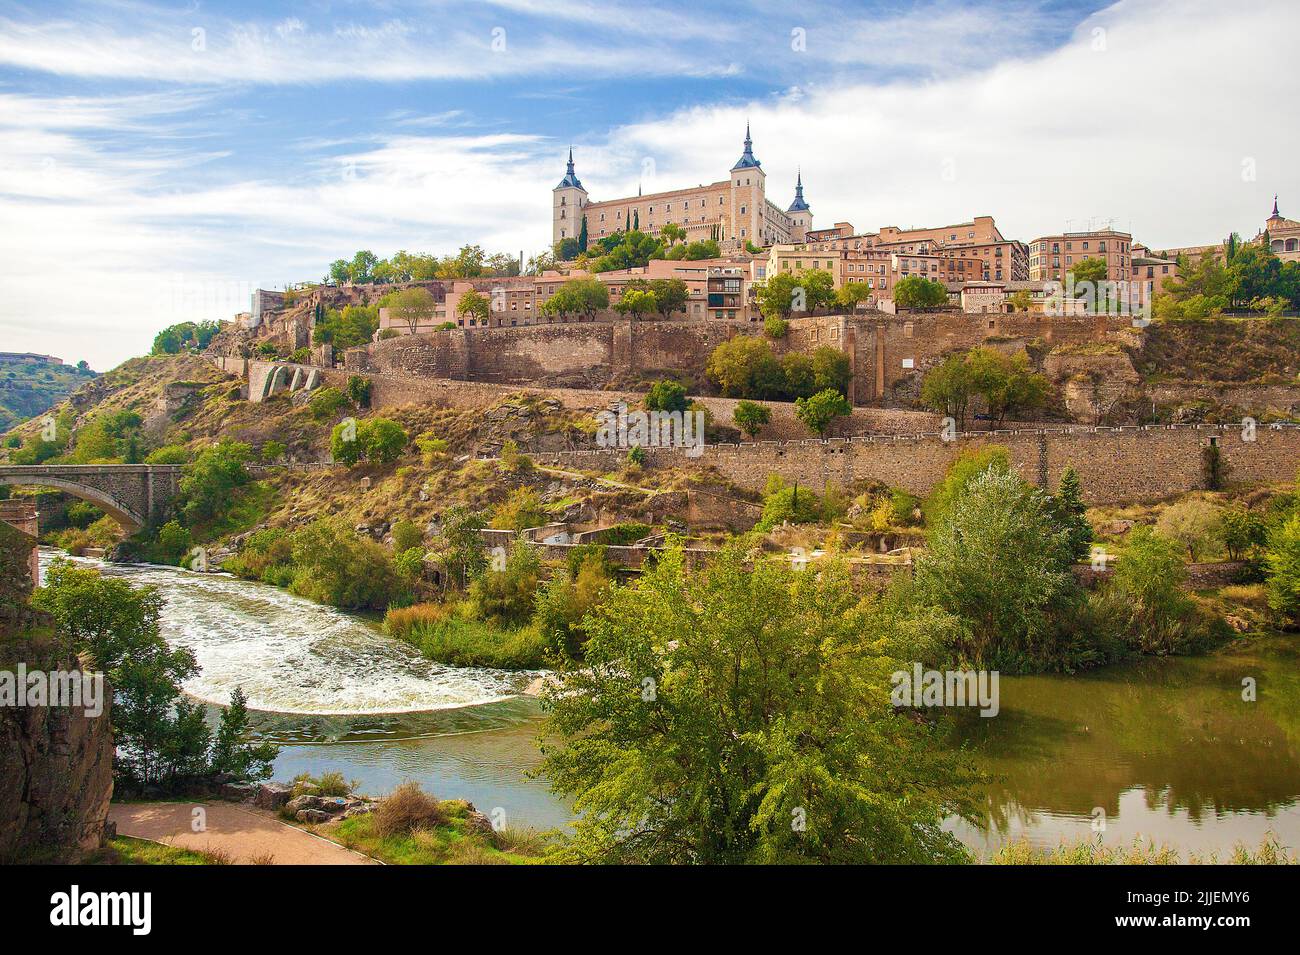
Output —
(799, 213)
(569, 201)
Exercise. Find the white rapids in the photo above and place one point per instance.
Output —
(291, 655)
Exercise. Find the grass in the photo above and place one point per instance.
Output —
(442, 632)
(449, 842)
(124, 850)
(1269, 852)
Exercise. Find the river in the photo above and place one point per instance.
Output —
(1163, 748)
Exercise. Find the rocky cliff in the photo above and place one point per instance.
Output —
(56, 779)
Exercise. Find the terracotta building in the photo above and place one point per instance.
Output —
(1052, 256)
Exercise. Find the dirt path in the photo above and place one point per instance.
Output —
(241, 832)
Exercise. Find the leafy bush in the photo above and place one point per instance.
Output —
(751, 417)
(817, 412)
(326, 403)
(169, 454)
(406, 809)
(666, 395)
(505, 597)
(210, 481)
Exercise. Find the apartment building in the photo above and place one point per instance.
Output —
(1051, 257)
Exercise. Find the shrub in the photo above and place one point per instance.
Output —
(336, 566)
(383, 440)
(522, 509)
(168, 454)
(774, 326)
(406, 535)
(666, 395)
(273, 451)
(795, 505)
(505, 597)
(998, 564)
(326, 403)
(514, 461)
(209, 482)
(82, 514)
(406, 809)
(359, 388)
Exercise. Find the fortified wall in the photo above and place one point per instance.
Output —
(394, 391)
(1115, 465)
(888, 353)
(591, 353)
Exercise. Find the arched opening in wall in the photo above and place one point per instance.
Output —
(129, 521)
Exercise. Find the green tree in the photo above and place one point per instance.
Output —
(410, 306)
(997, 562)
(474, 305)
(670, 295)
(1089, 270)
(383, 440)
(915, 291)
(159, 737)
(745, 367)
(463, 545)
(346, 446)
(831, 370)
(335, 566)
(947, 389)
(635, 301)
(577, 297)
(1006, 383)
(209, 483)
(1070, 514)
(965, 468)
(788, 293)
(1282, 567)
(818, 411)
(1243, 531)
(718, 711)
(231, 751)
(1192, 524)
(852, 294)
(750, 417)
(667, 395)
(505, 597)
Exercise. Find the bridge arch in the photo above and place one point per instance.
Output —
(110, 505)
(133, 494)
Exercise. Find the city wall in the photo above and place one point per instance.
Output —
(593, 352)
(1115, 465)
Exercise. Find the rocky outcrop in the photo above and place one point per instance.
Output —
(57, 779)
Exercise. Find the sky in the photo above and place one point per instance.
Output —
(160, 161)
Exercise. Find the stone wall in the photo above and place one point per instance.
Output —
(390, 391)
(578, 354)
(57, 778)
(1115, 465)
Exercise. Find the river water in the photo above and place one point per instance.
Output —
(1164, 748)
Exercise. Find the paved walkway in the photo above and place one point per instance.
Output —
(241, 832)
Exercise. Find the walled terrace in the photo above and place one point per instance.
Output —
(1115, 465)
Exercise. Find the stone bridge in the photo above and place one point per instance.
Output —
(133, 494)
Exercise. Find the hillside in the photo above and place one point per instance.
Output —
(29, 387)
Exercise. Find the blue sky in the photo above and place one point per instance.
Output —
(160, 160)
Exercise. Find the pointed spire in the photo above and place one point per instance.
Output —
(747, 160)
(799, 205)
(1276, 214)
(570, 180)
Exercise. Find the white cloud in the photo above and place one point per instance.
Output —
(1152, 131)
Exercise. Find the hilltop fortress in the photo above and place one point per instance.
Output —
(734, 212)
